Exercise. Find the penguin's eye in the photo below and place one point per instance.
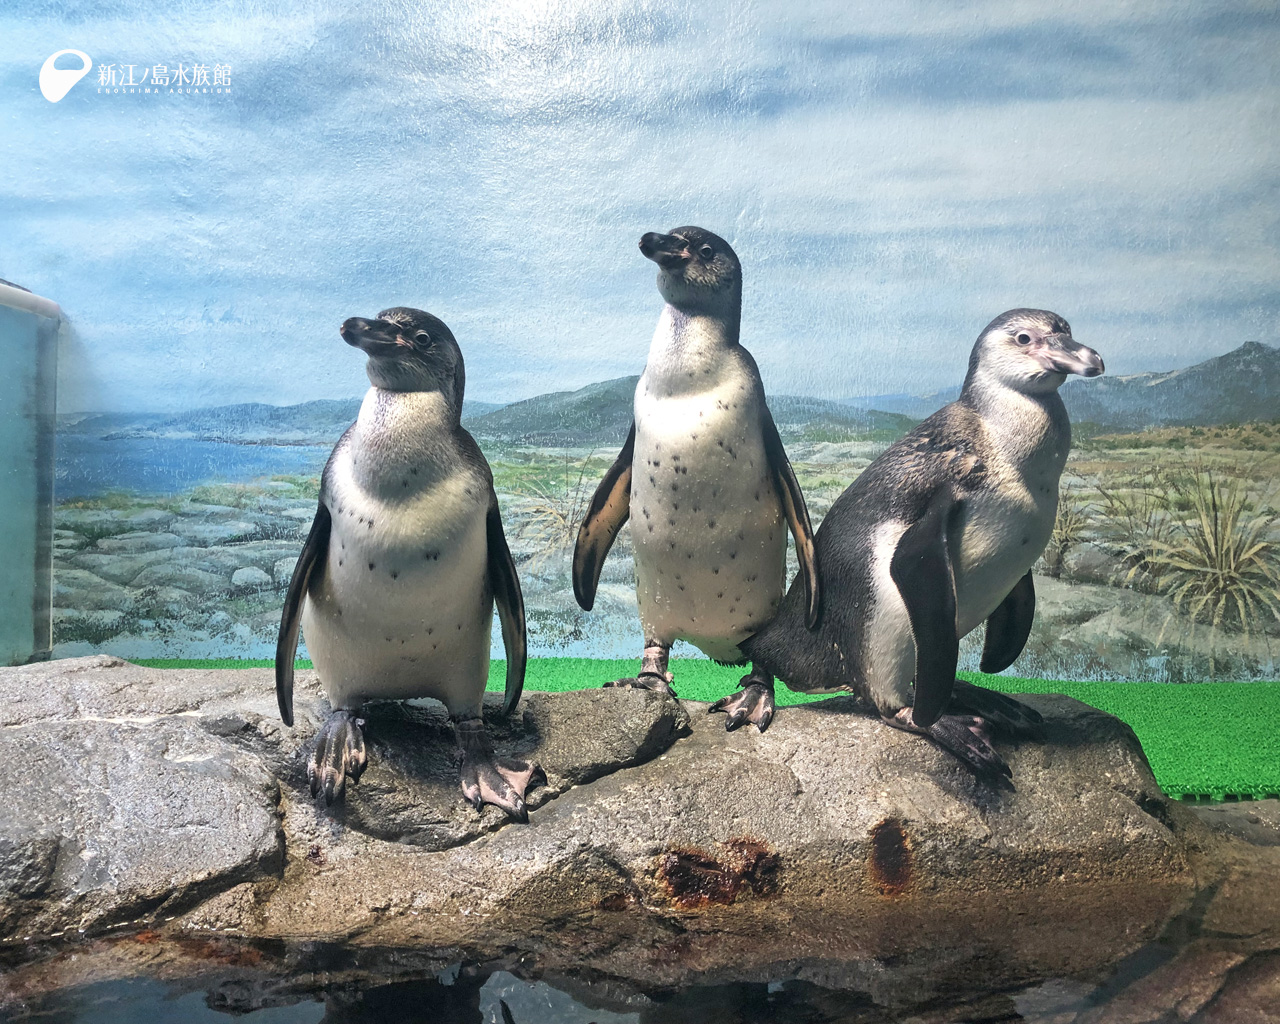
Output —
(1023, 339)
(706, 252)
(422, 338)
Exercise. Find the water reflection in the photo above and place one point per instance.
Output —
(463, 997)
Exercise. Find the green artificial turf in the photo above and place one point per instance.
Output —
(1204, 740)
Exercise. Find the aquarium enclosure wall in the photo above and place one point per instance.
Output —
(29, 327)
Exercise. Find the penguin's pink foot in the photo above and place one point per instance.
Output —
(338, 755)
(648, 681)
(489, 779)
(967, 738)
(753, 703)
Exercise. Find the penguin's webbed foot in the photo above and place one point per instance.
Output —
(489, 779)
(753, 703)
(338, 755)
(648, 681)
(967, 738)
(1004, 714)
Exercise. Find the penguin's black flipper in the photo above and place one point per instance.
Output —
(784, 480)
(311, 563)
(610, 509)
(510, 601)
(1009, 626)
(921, 570)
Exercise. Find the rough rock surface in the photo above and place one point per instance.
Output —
(663, 852)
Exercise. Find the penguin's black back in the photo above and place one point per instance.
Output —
(944, 450)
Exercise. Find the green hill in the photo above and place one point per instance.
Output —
(600, 414)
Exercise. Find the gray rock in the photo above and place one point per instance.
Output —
(82, 520)
(818, 849)
(204, 532)
(121, 568)
(227, 558)
(67, 541)
(829, 849)
(409, 794)
(132, 543)
(250, 578)
(1090, 563)
(81, 590)
(104, 821)
(150, 519)
(95, 626)
(182, 576)
(282, 570)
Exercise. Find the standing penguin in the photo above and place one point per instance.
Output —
(396, 583)
(705, 478)
(937, 535)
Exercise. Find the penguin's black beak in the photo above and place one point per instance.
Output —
(1063, 354)
(376, 337)
(668, 251)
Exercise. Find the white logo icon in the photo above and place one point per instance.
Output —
(57, 82)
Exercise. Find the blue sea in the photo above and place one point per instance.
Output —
(89, 466)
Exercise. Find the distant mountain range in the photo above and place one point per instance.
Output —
(318, 422)
(601, 414)
(1238, 387)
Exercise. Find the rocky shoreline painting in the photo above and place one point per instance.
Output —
(176, 534)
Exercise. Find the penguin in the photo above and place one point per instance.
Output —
(705, 480)
(938, 535)
(396, 584)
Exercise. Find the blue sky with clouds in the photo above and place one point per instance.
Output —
(892, 176)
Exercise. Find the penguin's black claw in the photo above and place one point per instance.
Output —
(337, 755)
(647, 681)
(967, 738)
(488, 779)
(1005, 715)
(753, 703)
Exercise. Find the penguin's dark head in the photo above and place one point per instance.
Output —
(1030, 350)
(409, 350)
(697, 270)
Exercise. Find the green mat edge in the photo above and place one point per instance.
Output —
(1205, 741)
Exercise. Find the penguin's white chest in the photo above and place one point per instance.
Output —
(1001, 532)
(1002, 529)
(405, 608)
(707, 526)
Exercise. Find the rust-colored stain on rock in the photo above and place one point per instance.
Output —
(696, 878)
(615, 902)
(889, 863)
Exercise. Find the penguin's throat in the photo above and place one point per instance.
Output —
(688, 349)
(1025, 428)
(399, 434)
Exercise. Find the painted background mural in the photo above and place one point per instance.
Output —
(224, 186)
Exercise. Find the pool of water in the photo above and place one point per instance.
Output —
(461, 995)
